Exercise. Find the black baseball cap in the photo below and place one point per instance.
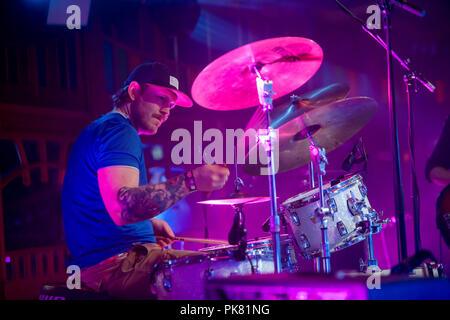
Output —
(158, 74)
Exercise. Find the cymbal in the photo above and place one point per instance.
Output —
(229, 82)
(236, 198)
(299, 105)
(329, 126)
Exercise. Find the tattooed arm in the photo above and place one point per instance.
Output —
(127, 202)
(141, 203)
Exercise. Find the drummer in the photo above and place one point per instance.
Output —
(109, 209)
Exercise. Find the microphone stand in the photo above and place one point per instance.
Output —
(386, 8)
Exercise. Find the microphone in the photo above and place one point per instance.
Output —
(403, 4)
(236, 231)
(350, 160)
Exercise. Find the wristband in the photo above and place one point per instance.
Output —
(190, 181)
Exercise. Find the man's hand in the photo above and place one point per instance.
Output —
(163, 230)
(210, 177)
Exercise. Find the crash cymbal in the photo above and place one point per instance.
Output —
(229, 82)
(299, 104)
(236, 198)
(329, 126)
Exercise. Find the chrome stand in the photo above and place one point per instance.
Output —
(322, 212)
(265, 94)
(312, 185)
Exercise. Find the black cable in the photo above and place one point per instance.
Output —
(349, 12)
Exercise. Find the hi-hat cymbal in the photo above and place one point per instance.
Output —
(236, 198)
(229, 82)
(329, 126)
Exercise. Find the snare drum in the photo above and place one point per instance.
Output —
(348, 204)
(184, 278)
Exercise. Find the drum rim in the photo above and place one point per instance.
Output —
(222, 253)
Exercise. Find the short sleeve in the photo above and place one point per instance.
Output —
(118, 144)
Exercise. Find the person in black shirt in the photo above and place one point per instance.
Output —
(438, 165)
(438, 172)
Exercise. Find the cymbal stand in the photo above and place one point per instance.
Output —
(318, 156)
(238, 233)
(265, 94)
(312, 186)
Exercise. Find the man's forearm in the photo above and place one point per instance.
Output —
(145, 202)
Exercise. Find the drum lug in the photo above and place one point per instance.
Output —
(363, 227)
(332, 205)
(295, 218)
(209, 273)
(355, 206)
(341, 228)
(363, 190)
(304, 242)
(167, 282)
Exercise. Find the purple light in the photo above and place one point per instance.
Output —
(7, 259)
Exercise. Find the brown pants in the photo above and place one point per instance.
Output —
(129, 275)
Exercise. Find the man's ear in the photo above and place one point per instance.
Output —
(133, 90)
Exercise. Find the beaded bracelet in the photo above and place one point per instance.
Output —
(190, 181)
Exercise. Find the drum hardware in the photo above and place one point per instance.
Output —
(366, 226)
(167, 278)
(322, 212)
(265, 93)
(312, 185)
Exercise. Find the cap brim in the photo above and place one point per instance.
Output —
(182, 99)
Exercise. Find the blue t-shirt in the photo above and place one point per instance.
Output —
(91, 234)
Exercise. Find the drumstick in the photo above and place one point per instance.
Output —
(209, 241)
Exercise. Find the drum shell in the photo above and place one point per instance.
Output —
(185, 278)
(304, 225)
